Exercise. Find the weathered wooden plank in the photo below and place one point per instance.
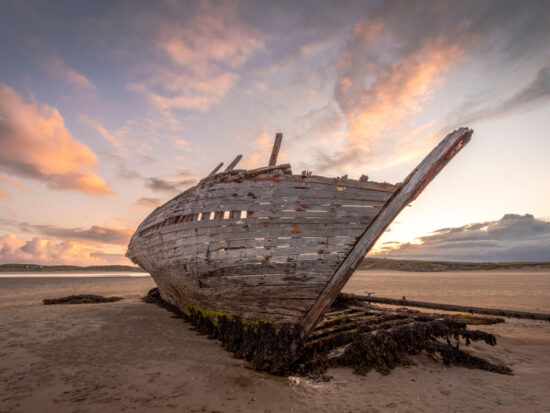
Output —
(216, 169)
(260, 228)
(277, 254)
(300, 179)
(269, 170)
(273, 203)
(275, 151)
(296, 233)
(412, 186)
(287, 183)
(234, 163)
(293, 294)
(260, 279)
(284, 183)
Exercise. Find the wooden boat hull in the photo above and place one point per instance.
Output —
(268, 245)
(260, 247)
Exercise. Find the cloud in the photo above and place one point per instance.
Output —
(183, 180)
(37, 145)
(14, 249)
(512, 238)
(13, 182)
(115, 138)
(58, 68)
(385, 104)
(197, 49)
(402, 54)
(127, 173)
(148, 202)
(537, 89)
(95, 233)
(160, 185)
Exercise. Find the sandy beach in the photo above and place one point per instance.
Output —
(132, 356)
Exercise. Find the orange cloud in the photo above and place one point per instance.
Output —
(381, 86)
(36, 144)
(14, 249)
(398, 93)
(4, 194)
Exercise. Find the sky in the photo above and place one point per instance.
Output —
(109, 109)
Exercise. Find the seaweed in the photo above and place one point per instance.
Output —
(361, 337)
(81, 299)
(386, 348)
(264, 344)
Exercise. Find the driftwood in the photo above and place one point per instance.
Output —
(450, 307)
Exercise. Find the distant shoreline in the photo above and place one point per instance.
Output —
(368, 264)
(35, 268)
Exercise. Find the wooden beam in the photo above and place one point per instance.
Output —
(275, 151)
(417, 180)
(449, 307)
(233, 164)
(216, 169)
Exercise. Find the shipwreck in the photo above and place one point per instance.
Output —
(247, 254)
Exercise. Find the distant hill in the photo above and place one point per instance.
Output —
(367, 264)
(65, 268)
(432, 266)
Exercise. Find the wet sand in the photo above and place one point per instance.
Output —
(131, 356)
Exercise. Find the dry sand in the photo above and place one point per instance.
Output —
(131, 356)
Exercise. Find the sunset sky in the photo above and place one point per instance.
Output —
(108, 109)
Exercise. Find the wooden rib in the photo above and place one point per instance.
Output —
(275, 151)
(216, 169)
(413, 185)
(233, 164)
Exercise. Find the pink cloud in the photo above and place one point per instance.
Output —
(13, 182)
(199, 50)
(14, 249)
(37, 145)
